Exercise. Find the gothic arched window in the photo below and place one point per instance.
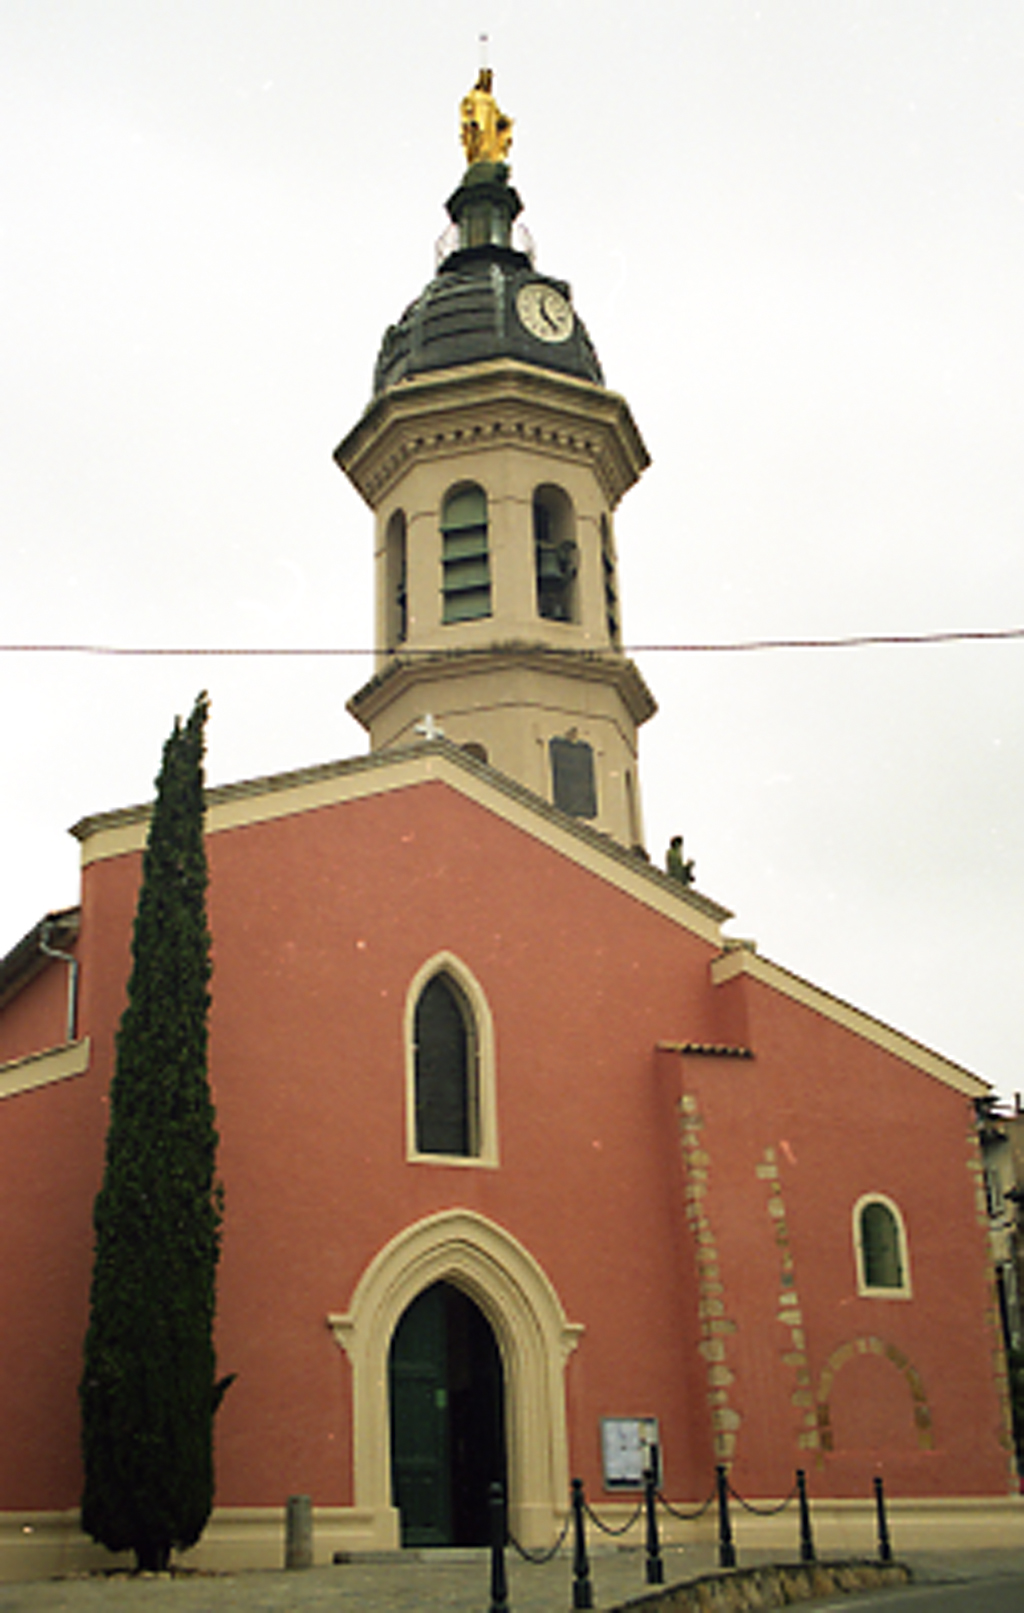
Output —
(445, 1071)
(451, 1111)
(465, 561)
(881, 1247)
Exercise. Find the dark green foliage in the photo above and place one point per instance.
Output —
(148, 1389)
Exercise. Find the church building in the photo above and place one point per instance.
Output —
(530, 1173)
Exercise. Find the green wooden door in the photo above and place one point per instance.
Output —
(447, 1419)
(421, 1481)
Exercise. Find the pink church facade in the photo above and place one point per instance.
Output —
(659, 1215)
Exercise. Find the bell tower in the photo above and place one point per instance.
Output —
(494, 458)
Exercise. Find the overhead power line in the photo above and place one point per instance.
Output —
(848, 641)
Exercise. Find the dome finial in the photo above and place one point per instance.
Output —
(485, 131)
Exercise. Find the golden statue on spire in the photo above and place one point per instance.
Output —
(486, 132)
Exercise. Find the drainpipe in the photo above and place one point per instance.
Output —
(68, 958)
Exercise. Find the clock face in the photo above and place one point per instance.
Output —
(545, 312)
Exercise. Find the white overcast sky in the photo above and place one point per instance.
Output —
(795, 230)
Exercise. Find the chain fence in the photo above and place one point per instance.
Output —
(580, 1511)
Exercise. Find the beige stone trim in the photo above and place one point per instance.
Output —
(534, 1338)
(40, 1069)
(484, 1127)
(790, 1313)
(741, 960)
(903, 1290)
(497, 404)
(715, 1326)
(283, 795)
(869, 1344)
(43, 1545)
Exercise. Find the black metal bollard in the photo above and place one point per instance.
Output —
(884, 1543)
(806, 1538)
(499, 1582)
(726, 1549)
(582, 1590)
(655, 1566)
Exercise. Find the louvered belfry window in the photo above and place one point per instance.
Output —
(445, 1071)
(465, 562)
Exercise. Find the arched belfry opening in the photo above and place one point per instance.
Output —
(446, 1398)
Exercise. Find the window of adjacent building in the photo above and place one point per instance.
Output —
(556, 558)
(573, 782)
(396, 608)
(611, 587)
(881, 1248)
(465, 561)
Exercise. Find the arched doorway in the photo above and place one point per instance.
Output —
(447, 1405)
(536, 1339)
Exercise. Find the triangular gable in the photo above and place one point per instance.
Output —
(743, 960)
(232, 806)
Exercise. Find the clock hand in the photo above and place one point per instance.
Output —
(546, 315)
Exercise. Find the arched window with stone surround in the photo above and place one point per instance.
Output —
(445, 1071)
(465, 558)
(880, 1244)
(451, 1112)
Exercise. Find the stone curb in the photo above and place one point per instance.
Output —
(776, 1585)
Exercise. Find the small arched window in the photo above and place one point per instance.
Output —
(446, 1121)
(396, 606)
(556, 558)
(465, 561)
(881, 1248)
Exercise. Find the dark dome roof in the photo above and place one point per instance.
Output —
(469, 311)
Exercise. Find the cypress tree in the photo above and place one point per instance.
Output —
(149, 1390)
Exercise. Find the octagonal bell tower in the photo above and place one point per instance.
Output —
(493, 458)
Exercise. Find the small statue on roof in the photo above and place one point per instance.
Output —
(486, 132)
(676, 866)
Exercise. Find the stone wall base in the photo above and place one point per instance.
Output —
(42, 1545)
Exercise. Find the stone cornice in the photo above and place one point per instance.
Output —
(43, 1068)
(590, 665)
(496, 404)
